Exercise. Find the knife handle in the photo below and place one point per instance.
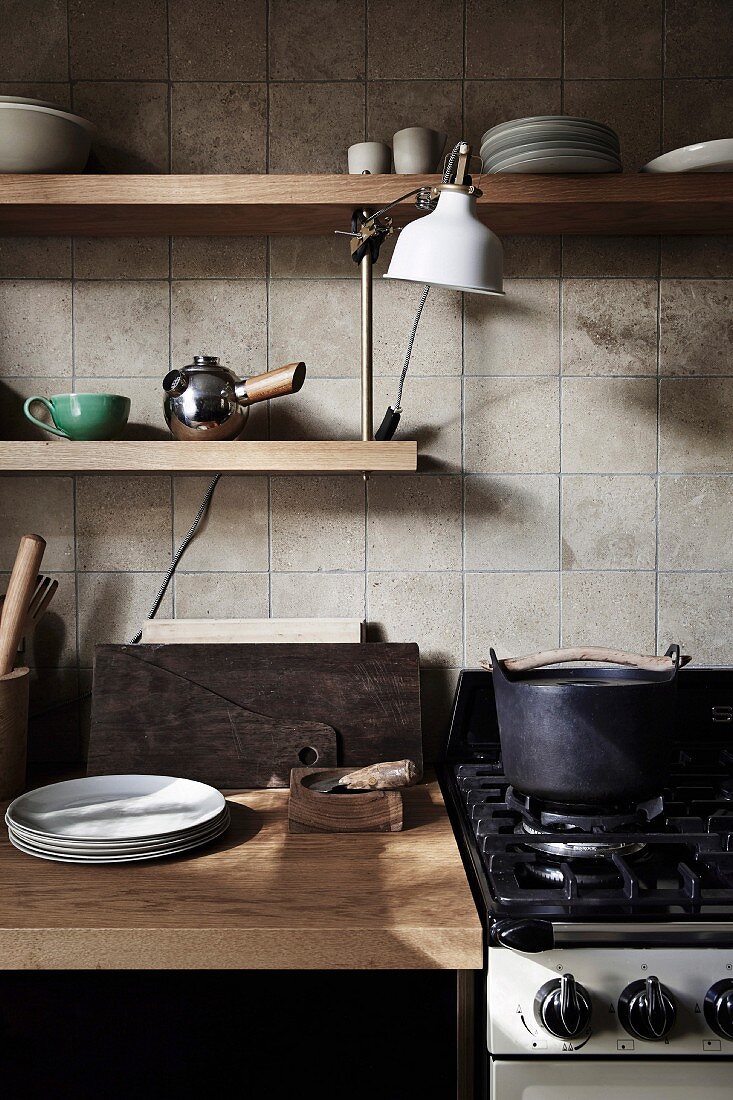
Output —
(18, 597)
(387, 776)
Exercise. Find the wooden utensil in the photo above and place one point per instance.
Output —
(44, 592)
(18, 598)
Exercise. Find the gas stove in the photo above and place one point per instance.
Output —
(609, 929)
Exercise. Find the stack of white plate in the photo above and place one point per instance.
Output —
(550, 144)
(116, 818)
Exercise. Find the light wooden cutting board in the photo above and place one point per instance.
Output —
(227, 631)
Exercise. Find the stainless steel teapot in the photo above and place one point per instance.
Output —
(205, 400)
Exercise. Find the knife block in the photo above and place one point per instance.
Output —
(13, 732)
(312, 811)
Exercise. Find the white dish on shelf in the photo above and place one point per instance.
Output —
(33, 102)
(561, 122)
(548, 150)
(35, 138)
(551, 138)
(556, 165)
(705, 156)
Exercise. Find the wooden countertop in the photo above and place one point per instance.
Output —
(259, 898)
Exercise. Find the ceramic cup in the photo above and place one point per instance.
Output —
(82, 415)
(417, 150)
(370, 156)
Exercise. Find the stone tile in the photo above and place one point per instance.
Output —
(54, 736)
(317, 322)
(415, 40)
(609, 609)
(703, 257)
(123, 524)
(610, 257)
(695, 610)
(613, 38)
(121, 257)
(609, 425)
(219, 128)
(531, 257)
(214, 596)
(221, 39)
(437, 347)
(44, 505)
(326, 408)
(609, 522)
(315, 595)
(221, 317)
(609, 326)
(631, 107)
(234, 535)
(489, 102)
(512, 523)
(113, 41)
(13, 392)
(512, 425)
(146, 420)
(35, 328)
(519, 334)
(698, 110)
(414, 523)
(53, 643)
(113, 607)
(54, 92)
(312, 126)
(434, 422)
(695, 425)
(299, 49)
(131, 121)
(418, 607)
(511, 39)
(35, 257)
(317, 524)
(696, 523)
(317, 258)
(516, 613)
(696, 334)
(218, 257)
(437, 691)
(393, 105)
(121, 328)
(698, 41)
(38, 32)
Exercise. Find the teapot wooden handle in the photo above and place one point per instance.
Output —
(275, 383)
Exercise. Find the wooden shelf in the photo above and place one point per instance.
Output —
(311, 205)
(306, 457)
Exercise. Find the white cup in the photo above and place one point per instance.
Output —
(370, 156)
(417, 150)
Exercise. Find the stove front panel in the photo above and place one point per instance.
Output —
(514, 980)
(606, 1080)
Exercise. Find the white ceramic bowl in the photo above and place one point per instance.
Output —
(34, 138)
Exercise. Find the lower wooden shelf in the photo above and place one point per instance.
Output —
(245, 457)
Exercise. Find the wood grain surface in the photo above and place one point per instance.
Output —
(178, 631)
(318, 204)
(259, 898)
(311, 811)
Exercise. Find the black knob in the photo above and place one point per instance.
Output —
(563, 1007)
(718, 1008)
(646, 1010)
(523, 935)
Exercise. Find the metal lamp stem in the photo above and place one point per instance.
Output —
(367, 416)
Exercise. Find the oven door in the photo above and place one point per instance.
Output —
(606, 1079)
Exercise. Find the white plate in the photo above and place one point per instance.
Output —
(548, 120)
(491, 148)
(56, 857)
(118, 807)
(32, 102)
(508, 161)
(119, 847)
(550, 130)
(549, 149)
(549, 166)
(706, 156)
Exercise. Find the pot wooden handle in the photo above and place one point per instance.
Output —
(18, 597)
(588, 653)
(274, 383)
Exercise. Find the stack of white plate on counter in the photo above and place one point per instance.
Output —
(550, 144)
(116, 818)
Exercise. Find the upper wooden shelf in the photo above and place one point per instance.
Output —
(243, 457)
(311, 205)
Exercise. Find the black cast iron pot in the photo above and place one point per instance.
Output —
(591, 736)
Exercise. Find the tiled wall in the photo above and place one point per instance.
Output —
(576, 451)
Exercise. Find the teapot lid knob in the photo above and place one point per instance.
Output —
(205, 360)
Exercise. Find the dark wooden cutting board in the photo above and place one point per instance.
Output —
(244, 715)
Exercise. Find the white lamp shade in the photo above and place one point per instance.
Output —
(451, 248)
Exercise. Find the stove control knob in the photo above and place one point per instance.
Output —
(563, 1007)
(646, 1010)
(718, 1008)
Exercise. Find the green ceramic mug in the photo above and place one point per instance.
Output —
(82, 415)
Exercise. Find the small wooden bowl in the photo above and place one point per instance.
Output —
(312, 811)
